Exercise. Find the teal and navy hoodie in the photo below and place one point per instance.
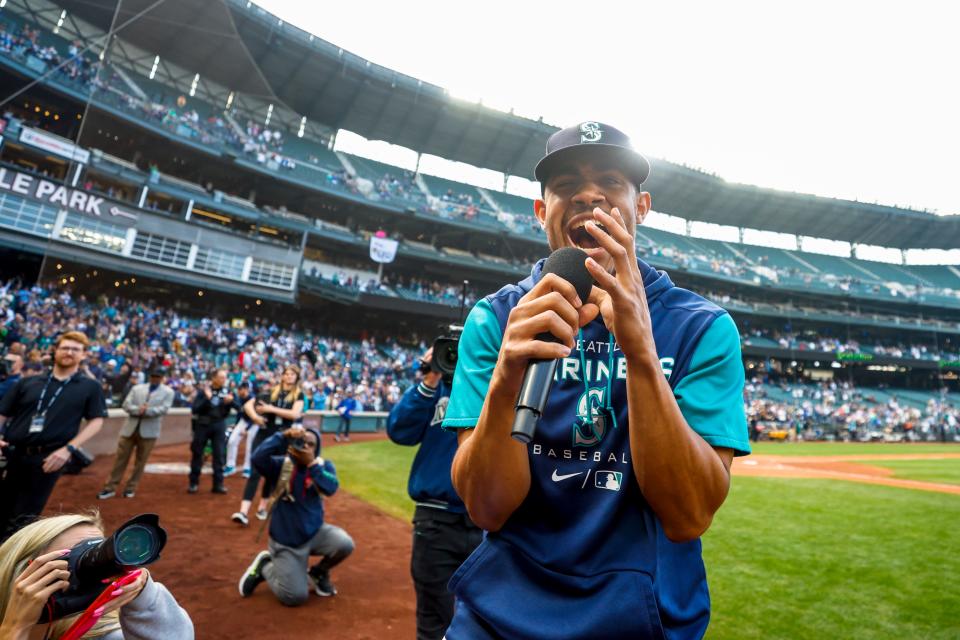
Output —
(584, 556)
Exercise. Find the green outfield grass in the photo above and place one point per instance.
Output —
(787, 558)
(927, 470)
(833, 559)
(376, 472)
(849, 448)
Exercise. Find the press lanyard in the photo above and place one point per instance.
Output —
(56, 394)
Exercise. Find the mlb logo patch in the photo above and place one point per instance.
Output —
(609, 480)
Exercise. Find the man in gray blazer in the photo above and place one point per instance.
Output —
(146, 404)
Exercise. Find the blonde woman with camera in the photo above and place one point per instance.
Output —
(33, 566)
(280, 408)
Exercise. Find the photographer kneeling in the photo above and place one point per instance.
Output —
(33, 567)
(291, 462)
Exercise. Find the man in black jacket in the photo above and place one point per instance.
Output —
(210, 409)
(443, 534)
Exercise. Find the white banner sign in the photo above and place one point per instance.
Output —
(383, 250)
(54, 144)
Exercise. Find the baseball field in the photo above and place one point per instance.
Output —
(814, 541)
(800, 557)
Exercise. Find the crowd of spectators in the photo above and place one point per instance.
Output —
(809, 341)
(838, 410)
(431, 290)
(24, 43)
(763, 271)
(266, 147)
(131, 337)
(393, 285)
(180, 115)
(399, 187)
(459, 205)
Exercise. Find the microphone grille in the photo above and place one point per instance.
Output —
(568, 263)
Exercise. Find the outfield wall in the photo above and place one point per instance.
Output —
(176, 427)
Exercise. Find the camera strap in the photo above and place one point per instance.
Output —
(286, 470)
(280, 491)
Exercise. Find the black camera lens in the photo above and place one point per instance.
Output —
(135, 545)
(445, 355)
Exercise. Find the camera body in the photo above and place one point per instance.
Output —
(136, 543)
(445, 348)
(297, 443)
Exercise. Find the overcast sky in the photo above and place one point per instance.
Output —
(856, 100)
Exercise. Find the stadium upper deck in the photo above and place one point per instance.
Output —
(248, 50)
(127, 94)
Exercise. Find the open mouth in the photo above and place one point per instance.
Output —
(581, 238)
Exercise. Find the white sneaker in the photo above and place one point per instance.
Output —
(240, 518)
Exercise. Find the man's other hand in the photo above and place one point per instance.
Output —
(56, 460)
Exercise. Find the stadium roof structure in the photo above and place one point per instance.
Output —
(247, 49)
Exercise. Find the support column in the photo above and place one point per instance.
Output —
(128, 243)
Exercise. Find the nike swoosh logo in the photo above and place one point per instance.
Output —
(557, 477)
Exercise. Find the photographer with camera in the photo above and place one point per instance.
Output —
(210, 409)
(443, 534)
(291, 462)
(277, 410)
(34, 566)
(40, 417)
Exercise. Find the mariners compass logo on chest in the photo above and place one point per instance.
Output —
(587, 415)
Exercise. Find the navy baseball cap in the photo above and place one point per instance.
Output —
(566, 143)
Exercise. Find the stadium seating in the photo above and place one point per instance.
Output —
(315, 165)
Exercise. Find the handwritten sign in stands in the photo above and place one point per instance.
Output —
(382, 250)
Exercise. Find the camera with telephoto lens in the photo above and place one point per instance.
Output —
(136, 543)
(444, 360)
(297, 443)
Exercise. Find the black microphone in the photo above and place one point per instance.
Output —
(568, 263)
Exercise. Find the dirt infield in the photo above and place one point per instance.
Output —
(850, 467)
(207, 553)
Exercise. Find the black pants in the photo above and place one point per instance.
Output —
(24, 491)
(344, 426)
(216, 434)
(250, 488)
(441, 542)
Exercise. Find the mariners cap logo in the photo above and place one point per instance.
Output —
(590, 132)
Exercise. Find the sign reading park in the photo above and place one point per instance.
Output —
(59, 195)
